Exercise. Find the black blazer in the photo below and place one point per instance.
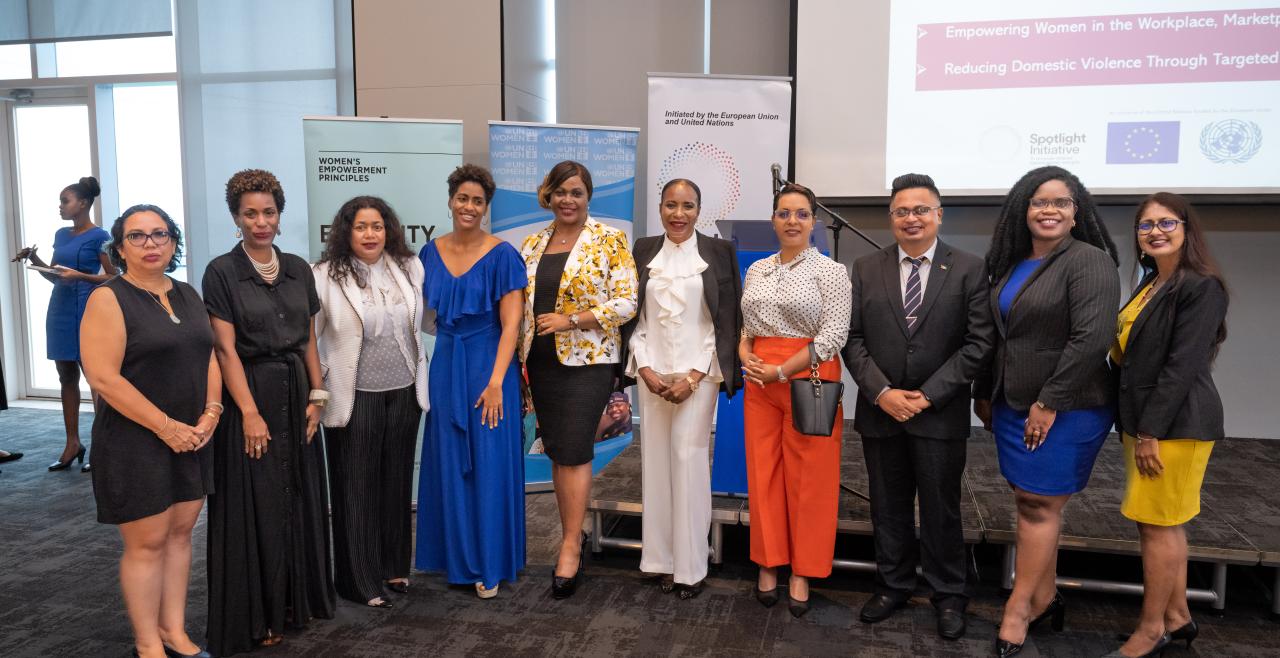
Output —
(949, 346)
(1164, 387)
(1061, 325)
(722, 291)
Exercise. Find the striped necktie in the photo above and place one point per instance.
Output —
(911, 300)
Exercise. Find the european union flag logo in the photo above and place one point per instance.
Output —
(1142, 142)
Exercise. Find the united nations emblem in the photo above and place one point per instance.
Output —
(1230, 141)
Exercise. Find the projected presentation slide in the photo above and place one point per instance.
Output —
(1178, 95)
(1128, 95)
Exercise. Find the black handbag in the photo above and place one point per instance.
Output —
(814, 401)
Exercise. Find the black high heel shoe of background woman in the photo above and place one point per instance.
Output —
(1187, 631)
(563, 588)
(1056, 610)
(62, 466)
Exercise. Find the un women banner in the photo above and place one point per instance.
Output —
(521, 154)
(723, 133)
(404, 161)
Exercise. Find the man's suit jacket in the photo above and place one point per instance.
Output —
(1053, 349)
(949, 345)
(721, 290)
(1164, 385)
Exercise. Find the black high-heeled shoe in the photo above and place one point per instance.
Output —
(62, 466)
(1157, 650)
(686, 592)
(398, 586)
(1187, 631)
(1056, 611)
(563, 588)
(767, 599)
(796, 607)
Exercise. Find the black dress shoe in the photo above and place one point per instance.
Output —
(951, 624)
(687, 592)
(767, 599)
(173, 653)
(398, 586)
(62, 466)
(563, 588)
(879, 608)
(1187, 631)
(797, 607)
(9, 456)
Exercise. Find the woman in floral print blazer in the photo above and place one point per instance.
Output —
(581, 290)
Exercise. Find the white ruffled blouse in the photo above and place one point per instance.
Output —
(675, 333)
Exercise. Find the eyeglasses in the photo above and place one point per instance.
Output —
(139, 239)
(1061, 203)
(918, 211)
(1166, 225)
(784, 215)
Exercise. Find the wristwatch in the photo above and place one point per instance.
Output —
(781, 377)
(693, 383)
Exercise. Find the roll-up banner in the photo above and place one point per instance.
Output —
(404, 161)
(521, 154)
(723, 133)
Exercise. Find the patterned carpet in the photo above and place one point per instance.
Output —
(59, 596)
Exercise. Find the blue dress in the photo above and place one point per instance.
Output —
(1063, 463)
(66, 305)
(471, 483)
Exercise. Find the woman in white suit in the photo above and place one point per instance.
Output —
(370, 288)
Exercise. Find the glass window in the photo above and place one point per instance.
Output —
(52, 144)
(148, 150)
(15, 62)
(115, 57)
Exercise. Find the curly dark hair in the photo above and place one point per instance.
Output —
(469, 173)
(253, 180)
(560, 173)
(1011, 240)
(117, 236)
(337, 248)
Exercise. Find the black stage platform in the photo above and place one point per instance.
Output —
(1239, 521)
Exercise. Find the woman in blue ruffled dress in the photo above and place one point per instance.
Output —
(471, 487)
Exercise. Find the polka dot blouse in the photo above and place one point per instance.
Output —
(808, 297)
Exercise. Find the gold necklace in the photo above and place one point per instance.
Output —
(153, 297)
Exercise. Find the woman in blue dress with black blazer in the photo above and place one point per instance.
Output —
(81, 265)
(1054, 295)
(471, 484)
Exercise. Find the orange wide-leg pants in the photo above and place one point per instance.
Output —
(793, 480)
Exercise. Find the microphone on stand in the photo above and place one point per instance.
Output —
(776, 170)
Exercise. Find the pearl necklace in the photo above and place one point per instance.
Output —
(154, 297)
(268, 271)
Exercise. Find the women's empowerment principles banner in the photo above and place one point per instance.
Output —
(521, 154)
(723, 133)
(404, 161)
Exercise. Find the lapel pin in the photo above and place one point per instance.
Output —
(943, 266)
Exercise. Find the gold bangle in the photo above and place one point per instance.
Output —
(211, 415)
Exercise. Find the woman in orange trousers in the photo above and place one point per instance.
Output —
(791, 299)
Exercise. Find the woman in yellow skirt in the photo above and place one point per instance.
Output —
(1170, 413)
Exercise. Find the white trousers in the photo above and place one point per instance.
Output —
(675, 442)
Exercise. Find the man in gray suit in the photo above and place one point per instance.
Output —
(920, 332)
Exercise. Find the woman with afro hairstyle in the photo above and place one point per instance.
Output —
(1054, 295)
(269, 561)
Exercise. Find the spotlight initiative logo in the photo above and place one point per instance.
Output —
(1231, 141)
(715, 172)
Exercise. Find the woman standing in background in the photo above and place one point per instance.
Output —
(78, 257)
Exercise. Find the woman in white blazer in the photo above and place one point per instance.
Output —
(370, 288)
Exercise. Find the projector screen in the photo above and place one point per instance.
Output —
(1132, 97)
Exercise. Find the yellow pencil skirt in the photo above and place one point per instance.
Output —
(1172, 498)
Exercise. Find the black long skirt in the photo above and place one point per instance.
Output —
(269, 554)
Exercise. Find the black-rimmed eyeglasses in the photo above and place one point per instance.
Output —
(918, 211)
(1166, 225)
(138, 238)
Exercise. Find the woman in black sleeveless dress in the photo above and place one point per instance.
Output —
(148, 351)
(269, 554)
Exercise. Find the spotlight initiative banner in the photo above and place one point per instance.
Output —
(723, 133)
(521, 154)
(404, 161)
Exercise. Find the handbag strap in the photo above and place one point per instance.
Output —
(813, 372)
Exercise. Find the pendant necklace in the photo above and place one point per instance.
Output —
(155, 298)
